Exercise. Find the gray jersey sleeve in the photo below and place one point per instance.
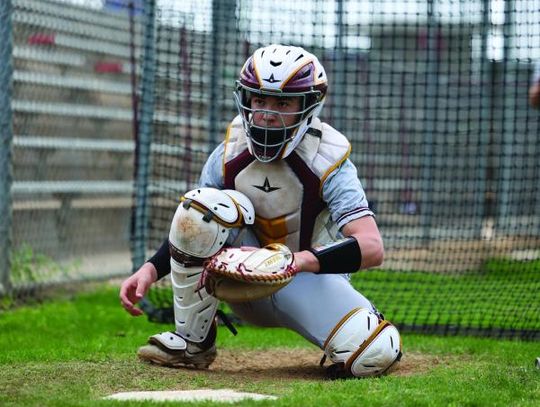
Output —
(345, 196)
(212, 172)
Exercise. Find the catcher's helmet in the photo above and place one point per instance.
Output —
(284, 72)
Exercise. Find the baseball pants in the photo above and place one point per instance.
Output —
(311, 305)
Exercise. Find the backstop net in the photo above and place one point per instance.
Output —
(67, 69)
(433, 96)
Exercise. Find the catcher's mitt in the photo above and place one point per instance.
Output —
(248, 273)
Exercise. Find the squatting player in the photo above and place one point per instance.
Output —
(294, 170)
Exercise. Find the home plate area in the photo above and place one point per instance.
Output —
(223, 395)
(253, 365)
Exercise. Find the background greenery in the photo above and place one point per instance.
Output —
(479, 299)
(74, 351)
(485, 299)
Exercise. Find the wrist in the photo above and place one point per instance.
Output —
(150, 270)
(306, 261)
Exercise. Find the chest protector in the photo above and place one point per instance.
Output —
(287, 193)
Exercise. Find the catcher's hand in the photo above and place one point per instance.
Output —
(248, 273)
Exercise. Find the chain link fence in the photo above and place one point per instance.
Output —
(68, 140)
(432, 96)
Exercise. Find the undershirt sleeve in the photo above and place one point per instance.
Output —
(162, 260)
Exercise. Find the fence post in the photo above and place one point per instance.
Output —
(429, 126)
(224, 31)
(6, 142)
(340, 67)
(144, 138)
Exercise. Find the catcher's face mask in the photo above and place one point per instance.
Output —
(272, 124)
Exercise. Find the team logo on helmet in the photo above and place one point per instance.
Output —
(271, 79)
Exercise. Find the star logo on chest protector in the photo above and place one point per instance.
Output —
(266, 186)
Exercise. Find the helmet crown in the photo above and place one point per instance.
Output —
(286, 69)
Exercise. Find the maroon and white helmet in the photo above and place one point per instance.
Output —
(280, 71)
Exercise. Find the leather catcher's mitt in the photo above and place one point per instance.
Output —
(248, 273)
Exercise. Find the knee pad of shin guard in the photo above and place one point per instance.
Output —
(363, 344)
(203, 221)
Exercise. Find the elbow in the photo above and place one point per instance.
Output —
(534, 96)
(378, 256)
(373, 256)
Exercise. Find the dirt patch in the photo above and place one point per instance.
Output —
(282, 364)
(297, 364)
(413, 363)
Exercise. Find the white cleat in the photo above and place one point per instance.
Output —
(171, 350)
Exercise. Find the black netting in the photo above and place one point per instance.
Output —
(433, 96)
(66, 177)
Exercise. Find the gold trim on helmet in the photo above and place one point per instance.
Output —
(295, 72)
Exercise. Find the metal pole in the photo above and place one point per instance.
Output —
(224, 34)
(339, 63)
(6, 140)
(508, 126)
(142, 172)
(430, 128)
(213, 111)
(487, 156)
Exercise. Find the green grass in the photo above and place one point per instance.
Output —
(74, 351)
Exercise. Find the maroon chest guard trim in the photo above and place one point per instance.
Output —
(233, 167)
(312, 204)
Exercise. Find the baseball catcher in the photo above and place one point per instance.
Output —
(286, 175)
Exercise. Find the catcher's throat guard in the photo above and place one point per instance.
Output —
(199, 229)
(362, 344)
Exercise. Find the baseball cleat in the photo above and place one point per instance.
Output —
(172, 350)
(192, 356)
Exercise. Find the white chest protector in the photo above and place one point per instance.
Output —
(287, 193)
